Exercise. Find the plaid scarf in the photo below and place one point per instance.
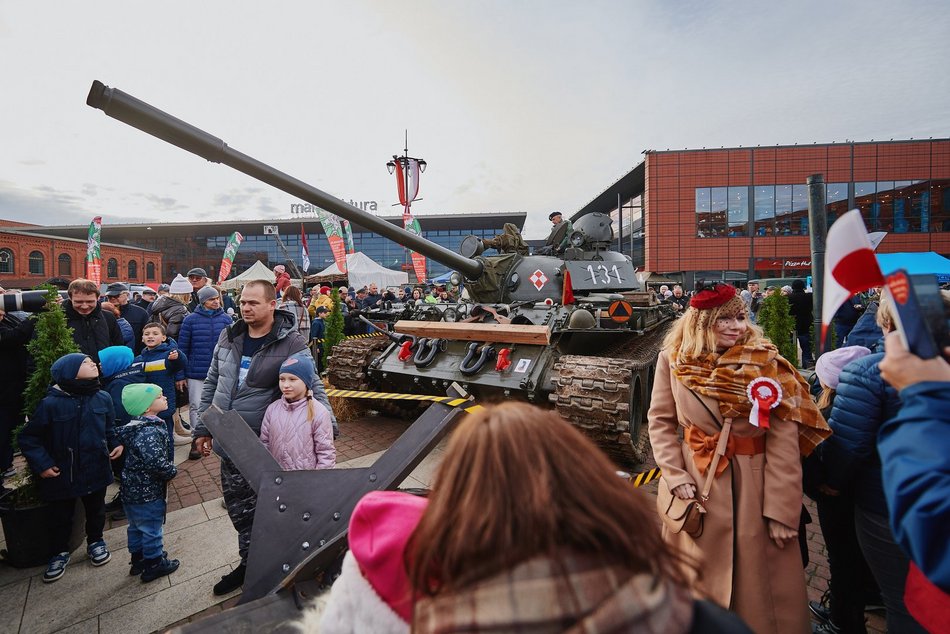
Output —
(538, 596)
(725, 377)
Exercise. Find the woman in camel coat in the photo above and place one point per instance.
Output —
(747, 554)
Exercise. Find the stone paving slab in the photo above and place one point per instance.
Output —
(154, 613)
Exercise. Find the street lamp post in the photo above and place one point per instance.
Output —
(407, 183)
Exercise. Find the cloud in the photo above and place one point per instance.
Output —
(45, 205)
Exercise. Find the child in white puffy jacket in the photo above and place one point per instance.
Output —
(297, 429)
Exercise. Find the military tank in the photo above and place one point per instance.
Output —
(572, 330)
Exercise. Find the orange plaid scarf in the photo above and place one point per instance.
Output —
(725, 377)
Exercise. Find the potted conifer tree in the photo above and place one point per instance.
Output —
(23, 515)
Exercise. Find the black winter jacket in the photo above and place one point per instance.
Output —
(76, 434)
(94, 331)
(801, 306)
(137, 318)
(15, 362)
(863, 402)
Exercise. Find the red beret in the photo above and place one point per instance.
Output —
(325, 290)
(711, 298)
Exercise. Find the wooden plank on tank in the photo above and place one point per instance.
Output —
(494, 333)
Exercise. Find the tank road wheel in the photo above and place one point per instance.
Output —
(605, 398)
(350, 360)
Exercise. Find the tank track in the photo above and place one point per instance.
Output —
(347, 370)
(347, 367)
(595, 394)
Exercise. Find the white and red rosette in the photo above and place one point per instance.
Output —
(765, 394)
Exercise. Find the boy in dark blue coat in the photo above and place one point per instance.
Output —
(144, 479)
(117, 371)
(68, 443)
(164, 365)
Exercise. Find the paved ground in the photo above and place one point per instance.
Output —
(107, 599)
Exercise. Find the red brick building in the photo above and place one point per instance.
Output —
(28, 259)
(737, 213)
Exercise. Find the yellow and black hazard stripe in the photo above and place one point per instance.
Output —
(366, 336)
(636, 479)
(644, 478)
(452, 401)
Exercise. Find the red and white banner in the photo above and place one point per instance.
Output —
(850, 265)
(304, 251)
(409, 168)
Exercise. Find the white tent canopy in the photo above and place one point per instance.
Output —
(258, 271)
(363, 271)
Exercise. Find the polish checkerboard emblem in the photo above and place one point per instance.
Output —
(539, 279)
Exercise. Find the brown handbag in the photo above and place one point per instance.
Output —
(687, 516)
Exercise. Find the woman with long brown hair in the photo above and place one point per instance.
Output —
(721, 380)
(528, 528)
(292, 301)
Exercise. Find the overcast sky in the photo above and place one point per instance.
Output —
(516, 106)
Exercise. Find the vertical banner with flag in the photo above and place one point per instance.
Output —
(304, 251)
(850, 265)
(230, 251)
(348, 234)
(93, 251)
(331, 227)
(407, 185)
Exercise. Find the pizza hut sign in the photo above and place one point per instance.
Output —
(778, 263)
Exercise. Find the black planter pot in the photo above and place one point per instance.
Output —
(26, 531)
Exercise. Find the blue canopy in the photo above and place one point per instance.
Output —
(916, 264)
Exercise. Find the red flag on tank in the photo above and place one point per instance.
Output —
(850, 265)
(567, 292)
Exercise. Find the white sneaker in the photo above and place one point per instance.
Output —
(182, 440)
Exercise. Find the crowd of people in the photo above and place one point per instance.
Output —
(528, 527)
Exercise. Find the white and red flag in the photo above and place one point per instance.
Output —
(304, 250)
(850, 265)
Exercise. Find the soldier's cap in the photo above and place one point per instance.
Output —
(116, 288)
(553, 214)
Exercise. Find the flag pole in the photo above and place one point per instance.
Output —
(818, 232)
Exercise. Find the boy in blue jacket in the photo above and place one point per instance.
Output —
(117, 371)
(144, 479)
(165, 366)
(68, 443)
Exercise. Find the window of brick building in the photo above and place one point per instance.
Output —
(64, 265)
(150, 270)
(133, 269)
(6, 261)
(37, 263)
(112, 268)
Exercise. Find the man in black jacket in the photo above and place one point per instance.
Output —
(802, 310)
(93, 329)
(145, 301)
(118, 294)
(14, 372)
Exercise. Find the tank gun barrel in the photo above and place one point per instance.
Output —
(138, 114)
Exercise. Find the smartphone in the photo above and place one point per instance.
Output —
(922, 320)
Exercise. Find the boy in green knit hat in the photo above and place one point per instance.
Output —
(144, 479)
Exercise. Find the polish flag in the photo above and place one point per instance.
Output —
(850, 265)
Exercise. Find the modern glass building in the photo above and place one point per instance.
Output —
(190, 244)
(740, 213)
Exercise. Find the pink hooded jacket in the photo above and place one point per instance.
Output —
(296, 443)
